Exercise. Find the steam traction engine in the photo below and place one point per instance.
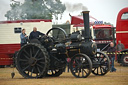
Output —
(46, 56)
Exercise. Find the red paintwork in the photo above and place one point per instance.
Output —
(24, 21)
(77, 21)
(102, 26)
(78, 25)
(6, 53)
(122, 25)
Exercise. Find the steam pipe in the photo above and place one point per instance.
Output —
(87, 32)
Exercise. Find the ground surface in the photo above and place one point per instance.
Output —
(115, 78)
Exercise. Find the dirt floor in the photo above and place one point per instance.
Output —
(115, 78)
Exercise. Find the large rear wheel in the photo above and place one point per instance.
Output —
(32, 61)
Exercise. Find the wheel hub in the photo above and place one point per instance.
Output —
(126, 59)
(80, 65)
(32, 61)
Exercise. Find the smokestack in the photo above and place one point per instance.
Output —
(87, 32)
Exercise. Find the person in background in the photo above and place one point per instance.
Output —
(76, 31)
(23, 38)
(35, 34)
(112, 49)
(120, 46)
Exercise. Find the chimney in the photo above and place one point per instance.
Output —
(87, 32)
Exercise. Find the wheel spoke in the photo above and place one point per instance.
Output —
(85, 64)
(36, 75)
(52, 72)
(94, 69)
(38, 69)
(39, 54)
(33, 49)
(82, 73)
(102, 59)
(41, 58)
(104, 70)
(39, 65)
(76, 61)
(76, 67)
(26, 63)
(56, 71)
(36, 53)
(26, 56)
(26, 52)
(26, 68)
(79, 73)
(24, 60)
(57, 34)
(101, 70)
(103, 64)
(32, 70)
(51, 33)
(42, 63)
(30, 52)
(85, 71)
(97, 70)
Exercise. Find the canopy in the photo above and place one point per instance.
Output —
(77, 21)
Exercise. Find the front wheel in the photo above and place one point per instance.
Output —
(81, 66)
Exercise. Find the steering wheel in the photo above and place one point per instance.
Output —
(57, 34)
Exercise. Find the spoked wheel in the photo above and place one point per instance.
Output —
(81, 66)
(54, 73)
(101, 64)
(58, 34)
(32, 61)
(124, 60)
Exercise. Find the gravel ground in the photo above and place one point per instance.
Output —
(115, 78)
